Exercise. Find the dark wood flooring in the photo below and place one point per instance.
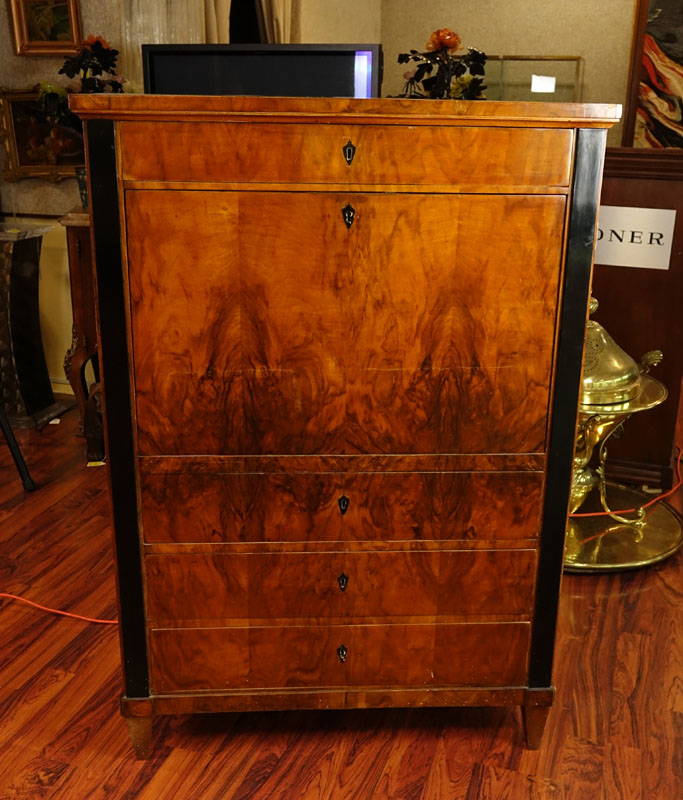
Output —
(614, 733)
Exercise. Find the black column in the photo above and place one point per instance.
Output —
(589, 156)
(104, 204)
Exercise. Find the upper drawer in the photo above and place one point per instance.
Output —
(337, 506)
(317, 154)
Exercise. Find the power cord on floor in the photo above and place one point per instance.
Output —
(647, 505)
(56, 611)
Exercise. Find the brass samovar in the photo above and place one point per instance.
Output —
(600, 538)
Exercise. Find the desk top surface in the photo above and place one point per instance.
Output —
(373, 111)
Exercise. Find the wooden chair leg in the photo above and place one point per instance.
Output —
(534, 722)
(92, 424)
(140, 730)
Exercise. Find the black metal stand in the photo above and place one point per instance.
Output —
(8, 433)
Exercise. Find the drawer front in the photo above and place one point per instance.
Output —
(215, 589)
(391, 506)
(313, 154)
(220, 659)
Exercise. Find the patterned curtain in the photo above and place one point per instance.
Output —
(181, 21)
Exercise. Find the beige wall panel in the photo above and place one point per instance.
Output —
(339, 21)
(55, 303)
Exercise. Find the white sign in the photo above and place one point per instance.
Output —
(635, 237)
(543, 83)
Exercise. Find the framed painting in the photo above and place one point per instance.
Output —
(46, 27)
(654, 106)
(40, 141)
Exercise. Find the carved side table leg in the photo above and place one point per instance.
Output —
(140, 730)
(92, 424)
(74, 369)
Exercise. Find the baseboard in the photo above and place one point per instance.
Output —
(61, 386)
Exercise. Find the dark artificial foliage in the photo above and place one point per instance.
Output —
(94, 64)
(439, 67)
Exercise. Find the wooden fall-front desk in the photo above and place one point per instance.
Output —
(341, 349)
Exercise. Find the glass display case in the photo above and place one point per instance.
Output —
(526, 78)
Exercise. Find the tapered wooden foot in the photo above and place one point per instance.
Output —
(534, 722)
(140, 730)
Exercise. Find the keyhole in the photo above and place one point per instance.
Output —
(349, 151)
(342, 652)
(343, 504)
(348, 214)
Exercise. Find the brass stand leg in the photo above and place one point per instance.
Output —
(140, 730)
(534, 722)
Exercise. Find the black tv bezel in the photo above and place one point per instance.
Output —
(150, 50)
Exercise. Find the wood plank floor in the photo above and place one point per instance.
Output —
(615, 732)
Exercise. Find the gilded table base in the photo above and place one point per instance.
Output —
(600, 544)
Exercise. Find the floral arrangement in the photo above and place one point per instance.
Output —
(93, 68)
(57, 134)
(440, 73)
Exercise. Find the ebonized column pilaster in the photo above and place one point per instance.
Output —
(588, 166)
(117, 400)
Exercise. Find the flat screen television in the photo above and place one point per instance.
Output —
(291, 70)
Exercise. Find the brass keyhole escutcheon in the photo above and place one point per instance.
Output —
(342, 652)
(348, 214)
(349, 151)
(343, 581)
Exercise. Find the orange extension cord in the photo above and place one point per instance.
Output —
(647, 505)
(56, 611)
(115, 622)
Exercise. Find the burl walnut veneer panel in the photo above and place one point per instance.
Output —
(281, 507)
(220, 659)
(452, 354)
(412, 331)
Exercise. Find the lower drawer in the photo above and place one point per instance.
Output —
(223, 659)
(217, 588)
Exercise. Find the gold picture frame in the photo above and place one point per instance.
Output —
(46, 27)
(37, 146)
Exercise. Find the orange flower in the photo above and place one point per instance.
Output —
(90, 41)
(442, 39)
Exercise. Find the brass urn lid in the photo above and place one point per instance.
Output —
(610, 375)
